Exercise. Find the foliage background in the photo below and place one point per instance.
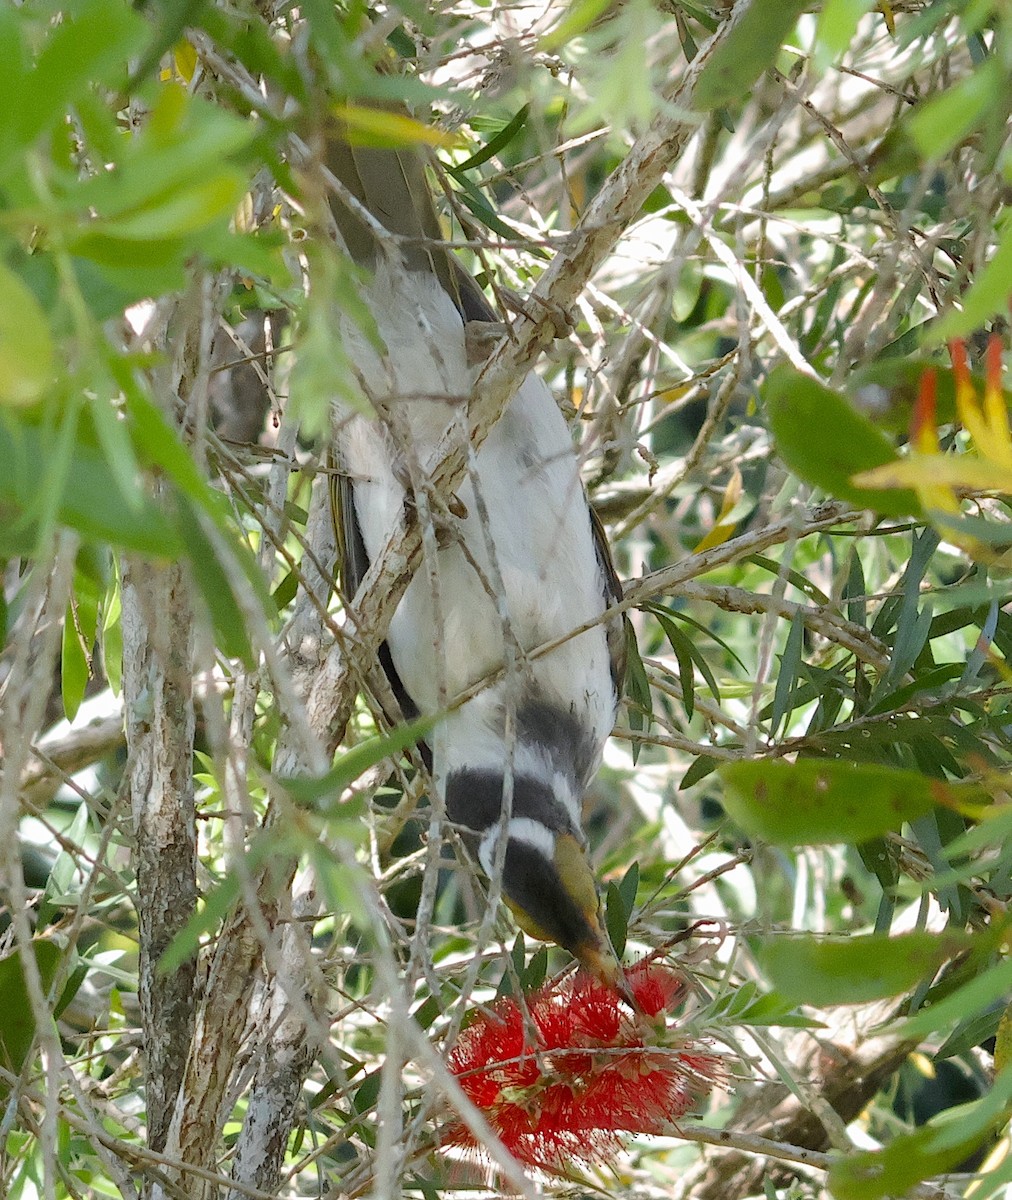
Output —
(824, 187)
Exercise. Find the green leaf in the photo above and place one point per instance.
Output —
(27, 359)
(746, 1006)
(855, 970)
(474, 199)
(685, 654)
(214, 907)
(932, 1150)
(989, 292)
(743, 56)
(536, 971)
(825, 441)
(1003, 1041)
(214, 585)
(62, 872)
(816, 801)
(888, 388)
(790, 667)
(984, 989)
(427, 1011)
(129, 271)
(80, 632)
(185, 141)
(970, 1033)
(630, 886)
(181, 212)
(159, 445)
(74, 981)
(325, 791)
(346, 887)
(174, 16)
(667, 618)
(855, 591)
(501, 140)
(112, 639)
(703, 766)
(637, 686)
(73, 667)
(89, 45)
(87, 496)
(285, 592)
(519, 959)
(772, 1009)
(251, 42)
(580, 15)
(114, 440)
(17, 1029)
(366, 1096)
(941, 123)
(795, 578)
(616, 919)
(837, 25)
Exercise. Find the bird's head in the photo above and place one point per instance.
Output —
(550, 889)
(547, 880)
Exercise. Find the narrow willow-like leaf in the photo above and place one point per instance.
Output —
(746, 53)
(18, 1029)
(790, 668)
(325, 791)
(499, 142)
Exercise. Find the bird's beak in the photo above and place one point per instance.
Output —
(598, 958)
(593, 949)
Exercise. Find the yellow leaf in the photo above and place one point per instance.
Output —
(26, 345)
(727, 519)
(931, 470)
(671, 394)
(185, 58)
(244, 222)
(1003, 1041)
(381, 127)
(999, 447)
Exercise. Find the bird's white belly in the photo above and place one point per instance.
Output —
(533, 574)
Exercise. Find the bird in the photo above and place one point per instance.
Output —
(520, 559)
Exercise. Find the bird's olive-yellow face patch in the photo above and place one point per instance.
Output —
(593, 949)
(576, 875)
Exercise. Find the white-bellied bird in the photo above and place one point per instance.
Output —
(518, 560)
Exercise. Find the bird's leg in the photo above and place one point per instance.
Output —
(444, 514)
(563, 320)
(481, 338)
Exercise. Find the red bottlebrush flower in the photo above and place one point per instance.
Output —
(587, 1076)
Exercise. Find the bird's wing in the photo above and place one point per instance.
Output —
(352, 565)
(615, 628)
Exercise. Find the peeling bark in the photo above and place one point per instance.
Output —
(158, 686)
(159, 620)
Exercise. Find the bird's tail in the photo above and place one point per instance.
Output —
(392, 185)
